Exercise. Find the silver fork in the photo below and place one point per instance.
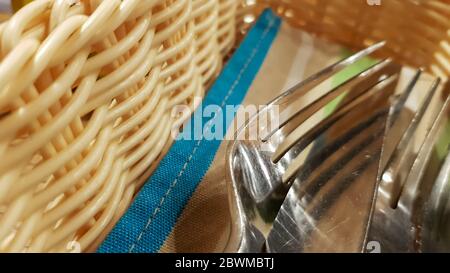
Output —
(306, 142)
(332, 206)
(412, 209)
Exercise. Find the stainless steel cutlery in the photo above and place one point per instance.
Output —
(332, 180)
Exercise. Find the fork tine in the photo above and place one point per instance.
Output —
(314, 81)
(400, 103)
(297, 163)
(401, 160)
(359, 85)
(317, 129)
(397, 121)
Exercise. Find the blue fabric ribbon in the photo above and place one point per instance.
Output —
(153, 214)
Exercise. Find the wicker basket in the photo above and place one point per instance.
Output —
(86, 92)
(417, 32)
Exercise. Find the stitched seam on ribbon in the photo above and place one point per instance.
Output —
(197, 145)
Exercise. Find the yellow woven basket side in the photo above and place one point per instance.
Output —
(87, 89)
